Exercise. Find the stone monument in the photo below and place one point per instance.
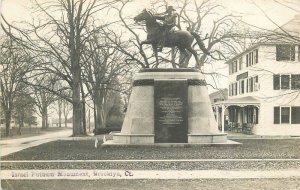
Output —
(168, 105)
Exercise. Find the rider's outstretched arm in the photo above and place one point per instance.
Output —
(178, 23)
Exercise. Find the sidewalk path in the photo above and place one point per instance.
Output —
(14, 145)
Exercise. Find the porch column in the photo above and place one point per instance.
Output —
(222, 118)
(217, 115)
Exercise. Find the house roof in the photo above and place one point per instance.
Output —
(292, 26)
(248, 100)
(222, 90)
(253, 47)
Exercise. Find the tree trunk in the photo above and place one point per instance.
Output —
(43, 121)
(47, 123)
(59, 113)
(101, 116)
(44, 117)
(7, 122)
(21, 123)
(66, 120)
(95, 116)
(77, 119)
(65, 114)
(83, 110)
(83, 118)
(100, 119)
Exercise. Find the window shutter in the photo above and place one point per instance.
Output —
(293, 53)
(293, 82)
(276, 80)
(298, 52)
(257, 115)
(256, 52)
(277, 52)
(276, 115)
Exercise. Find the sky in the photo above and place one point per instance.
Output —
(16, 10)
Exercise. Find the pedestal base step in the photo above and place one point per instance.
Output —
(228, 143)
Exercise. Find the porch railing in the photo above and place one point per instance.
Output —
(246, 128)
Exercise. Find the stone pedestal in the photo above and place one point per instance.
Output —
(141, 123)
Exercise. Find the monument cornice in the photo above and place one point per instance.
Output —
(169, 70)
(150, 82)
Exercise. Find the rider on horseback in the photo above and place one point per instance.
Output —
(169, 21)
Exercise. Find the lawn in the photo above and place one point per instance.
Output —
(85, 150)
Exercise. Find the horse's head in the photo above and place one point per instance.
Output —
(142, 16)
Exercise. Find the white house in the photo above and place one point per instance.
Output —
(264, 89)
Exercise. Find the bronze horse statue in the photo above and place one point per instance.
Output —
(181, 39)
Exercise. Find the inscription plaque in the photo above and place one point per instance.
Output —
(170, 99)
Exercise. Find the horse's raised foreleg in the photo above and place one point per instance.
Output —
(154, 47)
(183, 56)
(190, 49)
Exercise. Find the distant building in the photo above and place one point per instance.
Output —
(264, 88)
(218, 96)
(55, 122)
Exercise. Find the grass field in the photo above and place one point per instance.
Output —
(265, 149)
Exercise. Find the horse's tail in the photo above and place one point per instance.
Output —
(200, 43)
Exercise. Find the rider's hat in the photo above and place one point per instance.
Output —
(170, 8)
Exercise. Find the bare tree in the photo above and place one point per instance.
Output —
(102, 69)
(24, 108)
(13, 68)
(59, 38)
(66, 110)
(127, 38)
(43, 98)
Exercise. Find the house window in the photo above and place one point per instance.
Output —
(252, 58)
(287, 115)
(295, 82)
(285, 81)
(234, 66)
(251, 84)
(296, 115)
(233, 89)
(285, 53)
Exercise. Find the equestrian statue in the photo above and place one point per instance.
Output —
(161, 35)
